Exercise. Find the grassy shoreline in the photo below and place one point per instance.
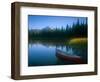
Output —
(78, 41)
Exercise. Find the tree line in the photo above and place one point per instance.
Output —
(76, 30)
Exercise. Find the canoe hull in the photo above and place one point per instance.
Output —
(66, 57)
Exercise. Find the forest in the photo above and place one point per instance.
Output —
(77, 30)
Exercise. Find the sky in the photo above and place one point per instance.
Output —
(42, 21)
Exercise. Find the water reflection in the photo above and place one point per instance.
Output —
(44, 53)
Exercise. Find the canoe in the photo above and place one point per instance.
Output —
(67, 57)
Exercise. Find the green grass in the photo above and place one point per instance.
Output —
(78, 41)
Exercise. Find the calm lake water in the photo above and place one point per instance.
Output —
(44, 54)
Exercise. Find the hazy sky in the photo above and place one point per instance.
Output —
(42, 21)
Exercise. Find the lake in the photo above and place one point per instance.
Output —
(43, 53)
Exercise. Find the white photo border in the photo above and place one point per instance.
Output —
(25, 70)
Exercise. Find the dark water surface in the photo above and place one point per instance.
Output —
(44, 53)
